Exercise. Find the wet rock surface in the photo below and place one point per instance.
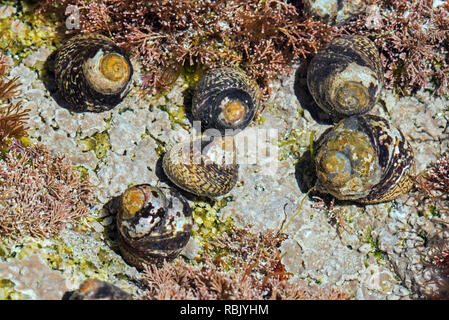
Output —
(373, 251)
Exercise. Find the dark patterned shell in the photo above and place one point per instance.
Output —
(93, 289)
(203, 168)
(225, 98)
(365, 159)
(92, 73)
(153, 227)
(345, 78)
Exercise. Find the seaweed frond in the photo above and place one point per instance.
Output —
(434, 181)
(8, 88)
(12, 115)
(39, 193)
(12, 121)
(412, 37)
(246, 266)
(262, 37)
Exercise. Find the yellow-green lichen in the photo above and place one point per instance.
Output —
(208, 219)
(294, 143)
(192, 75)
(7, 290)
(176, 114)
(24, 31)
(78, 255)
(99, 143)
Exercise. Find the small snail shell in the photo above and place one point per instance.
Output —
(92, 73)
(345, 78)
(364, 158)
(93, 289)
(152, 226)
(205, 169)
(225, 98)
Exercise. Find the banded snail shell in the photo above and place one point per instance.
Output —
(345, 78)
(225, 98)
(153, 226)
(203, 168)
(365, 159)
(92, 73)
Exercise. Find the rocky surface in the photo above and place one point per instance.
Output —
(373, 251)
(336, 11)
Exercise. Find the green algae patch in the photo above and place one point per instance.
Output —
(7, 290)
(193, 74)
(99, 143)
(294, 143)
(208, 219)
(24, 31)
(377, 253)
(176, 114)
(84, 173)
(77, 255)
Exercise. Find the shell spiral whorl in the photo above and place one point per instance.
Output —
(345, 78)
(225, 98)
(152, 226)
(92, 73)
(203, 168)
(365, 159)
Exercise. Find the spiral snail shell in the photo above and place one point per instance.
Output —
(365, 159)
(345, 78)
(152, 226)
(203, 168)
(92, 73)
(94, 289)
(225, 98)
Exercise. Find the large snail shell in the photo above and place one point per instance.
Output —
(152, 227)
(225, 98)
(202, 168)
(345, 78)
(92, 73)
(364, 158)
(94, 289)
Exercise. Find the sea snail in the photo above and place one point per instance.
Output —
(92, 73)
(153, 226)
(203, 168)
(345, 78)
(225, 98)
(94, 289)
(364, 159)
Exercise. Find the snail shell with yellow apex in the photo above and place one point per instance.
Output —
(92, 73)
(365, 159)
(225, 98)
(203, 168)
(152, 226)
(345, 78)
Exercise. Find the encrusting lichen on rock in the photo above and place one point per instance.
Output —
(30, 279)
(369, 252)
